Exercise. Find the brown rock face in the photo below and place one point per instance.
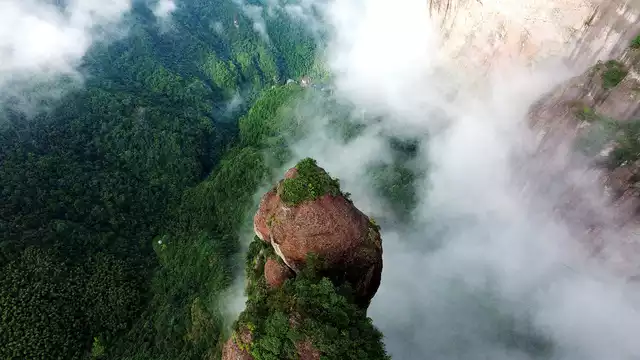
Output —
(235, 347)
(330, 227)
(307, 351)
(275, 273)
(261, 220)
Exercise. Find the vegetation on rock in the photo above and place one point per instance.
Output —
(627, 148)
(307, 307)
(309, 183)
(613, 73)
(635, 42)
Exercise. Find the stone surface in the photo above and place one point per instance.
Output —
(261, 219)
(276, 273)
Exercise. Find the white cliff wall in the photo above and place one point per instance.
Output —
(487, 34)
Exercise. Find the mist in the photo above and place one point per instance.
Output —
(42, 44)
(485, 268)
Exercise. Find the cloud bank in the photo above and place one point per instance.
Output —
(486, 269)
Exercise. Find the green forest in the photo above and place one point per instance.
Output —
(121, 205)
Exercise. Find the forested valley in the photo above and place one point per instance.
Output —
(120, 205)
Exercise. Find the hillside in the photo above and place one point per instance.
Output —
(121, 205)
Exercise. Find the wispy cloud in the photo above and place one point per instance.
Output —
(256, 14)
(40, 41)
(487, 269)
(164, 8)
(306, 11)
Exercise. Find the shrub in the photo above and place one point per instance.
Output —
(310, 183)
(628, 144)
(613, 74)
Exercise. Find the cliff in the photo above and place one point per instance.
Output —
(312, 269)
(588, 151)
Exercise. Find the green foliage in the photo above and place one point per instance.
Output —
(599, 134)
(310, 308)
(603, 131)
(196, 256)
(310, 183)
(41, 308)
(268, 117)
(221, 202)
(627, 148)
(586, 113)
(396, 181)
(396, 184)
(223, 74)
(297, 47)
(613, 73)
(635, 42)
(97, 349)
(87, 183)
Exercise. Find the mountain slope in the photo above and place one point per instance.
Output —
(121, 201)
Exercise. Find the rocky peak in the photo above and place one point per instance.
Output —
(312, 270)
(306, 213)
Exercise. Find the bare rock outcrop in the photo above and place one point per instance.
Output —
(260, 221)
(276, 273)
(306, 214)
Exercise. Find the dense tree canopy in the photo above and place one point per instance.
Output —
(120, 205)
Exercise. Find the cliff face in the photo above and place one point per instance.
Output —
(588, 142)
(312, 270)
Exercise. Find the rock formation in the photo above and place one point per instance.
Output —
(325, 224)
(316, 264)
(276, 273)
(598, 184)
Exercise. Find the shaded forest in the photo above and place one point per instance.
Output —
(120, 206)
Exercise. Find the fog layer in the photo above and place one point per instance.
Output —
(486, 269)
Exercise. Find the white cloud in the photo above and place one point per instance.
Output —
(256, 14)
(39, 41)
(217, 27)
(486, 256)
(305, 11)
(164, 8)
